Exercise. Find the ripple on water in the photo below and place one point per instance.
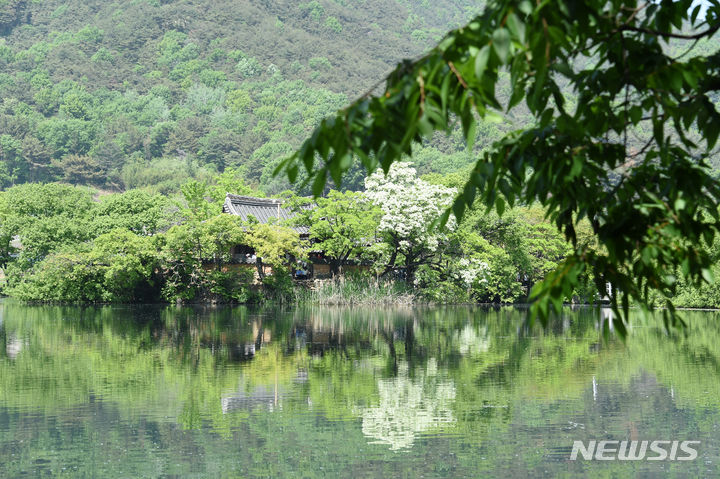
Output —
(450, 392)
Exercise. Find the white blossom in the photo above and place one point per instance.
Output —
(473, 272)
(409, 205)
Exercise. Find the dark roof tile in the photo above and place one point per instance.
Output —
(263, 209)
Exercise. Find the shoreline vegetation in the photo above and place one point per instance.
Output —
(64, 244)
(349, 291)
(355, 291)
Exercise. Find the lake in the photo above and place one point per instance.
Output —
(166, 391)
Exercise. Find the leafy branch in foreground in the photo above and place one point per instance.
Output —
(653, 209)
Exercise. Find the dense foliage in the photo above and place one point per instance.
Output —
(60, 244)
(63, 243)
(206, 107)
(624, 125)
(151, 93)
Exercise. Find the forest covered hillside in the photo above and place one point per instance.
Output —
(153, 110)
(149, 93)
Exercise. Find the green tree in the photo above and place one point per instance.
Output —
(61, 277)
(231, 181)
(197, 207)
(188, 248)
(275, 246)
(652, 207)
(127, 263)
(118, 267)
(341, 225)
(80, 170)
(219, 235)
(135, 210)
(481, 245)
(45, 217)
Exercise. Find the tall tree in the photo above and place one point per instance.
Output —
(409, 207)
(341, 225)
(275, 246)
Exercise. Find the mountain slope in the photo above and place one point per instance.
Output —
(148, 93)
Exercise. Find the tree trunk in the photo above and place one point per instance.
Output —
(335, 267)
(260, 269)
(410, 268)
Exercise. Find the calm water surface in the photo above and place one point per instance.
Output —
(163, 391)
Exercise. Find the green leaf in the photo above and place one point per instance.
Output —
(525, 7)
(712, 131)
(444, 218)
(469, 194)
(284, 164)
(708, 275)
(695, 13)
(516, 26)
(292, 173)
(470, 136)
(425, 127)
(345, 162)
(493, 117)
(308, 156)
(676, 80)
(319, 183)
(658, 131)
(459, 208)
(444, 92)
(690, 79)
(500, 205)
(481, 61)
(635, 114)
(446, 43)
(577, 166)
(564, 68)
(501, 43)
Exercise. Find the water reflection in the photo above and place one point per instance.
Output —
(261, 392)
(408, 406)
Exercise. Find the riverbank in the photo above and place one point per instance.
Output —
(356, 291)
(359, 291)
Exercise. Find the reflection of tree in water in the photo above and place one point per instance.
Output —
(409, 406)
(472, 340)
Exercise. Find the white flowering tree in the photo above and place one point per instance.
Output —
(410, 206)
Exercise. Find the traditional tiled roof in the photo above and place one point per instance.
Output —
(263, 209)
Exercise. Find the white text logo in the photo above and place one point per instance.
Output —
(635, 450)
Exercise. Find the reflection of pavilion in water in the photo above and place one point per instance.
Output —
(261, 335)
(315, 336)
(261, 396)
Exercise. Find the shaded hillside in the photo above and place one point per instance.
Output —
(361, 39)
(138, 93)
(149, 93)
